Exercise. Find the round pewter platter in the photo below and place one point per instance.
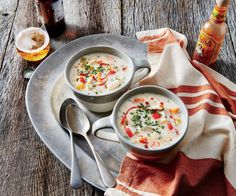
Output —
(46, 91)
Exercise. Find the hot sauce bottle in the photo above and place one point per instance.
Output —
(212, 34)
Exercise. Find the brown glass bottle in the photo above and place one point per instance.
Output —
(52, 13)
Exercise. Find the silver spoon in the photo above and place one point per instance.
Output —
(75, 178)
(79, 123)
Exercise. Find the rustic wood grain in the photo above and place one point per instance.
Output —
(7, 14)
(6, 21)
(27, 166)
(232, 23)
(8, 6)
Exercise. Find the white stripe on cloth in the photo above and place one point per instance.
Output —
(233, 98)
(191, 106)
(196, 94)
(232, 115)
(113, 191)
(116, 192)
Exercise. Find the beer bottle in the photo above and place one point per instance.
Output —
(212, 34)
(52, 14)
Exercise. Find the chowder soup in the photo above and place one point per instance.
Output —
(150, 120)
(99, 73)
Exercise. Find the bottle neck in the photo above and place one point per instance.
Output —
(218, 14)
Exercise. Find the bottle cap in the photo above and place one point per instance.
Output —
(27, 73)
(222, 3)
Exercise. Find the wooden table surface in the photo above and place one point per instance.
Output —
(27, 167)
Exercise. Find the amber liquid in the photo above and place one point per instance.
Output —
(34, 56)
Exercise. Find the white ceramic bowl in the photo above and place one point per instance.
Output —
(111, 121)
(106, 102)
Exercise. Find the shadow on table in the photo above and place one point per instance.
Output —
(190, 47)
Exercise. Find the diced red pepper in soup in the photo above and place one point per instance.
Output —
(112, 72)
(143, 140)
(129, 132)
(156, 115)
(170, 126)
(123, 120)
(103, 64)
(82, 80)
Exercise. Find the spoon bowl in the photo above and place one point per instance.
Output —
(77, 119)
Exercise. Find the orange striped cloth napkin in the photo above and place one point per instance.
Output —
(205, 162)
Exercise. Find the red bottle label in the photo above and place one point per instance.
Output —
(207, 49)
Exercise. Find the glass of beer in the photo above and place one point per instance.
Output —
(32, 43)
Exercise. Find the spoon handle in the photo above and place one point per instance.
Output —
(106, 175)
(75, 178)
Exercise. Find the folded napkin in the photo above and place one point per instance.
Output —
(205, 161)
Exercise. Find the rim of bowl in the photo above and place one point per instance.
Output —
(69, 65)
(122, 99)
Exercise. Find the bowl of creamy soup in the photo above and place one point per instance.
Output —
(99, 75)
(149, 121)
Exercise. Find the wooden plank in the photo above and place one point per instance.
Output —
(6, 21)
(93, 16)
(231, 22)
(183, 16)
(7, 14)
(8, 6)
(27, 166)
(226, 62)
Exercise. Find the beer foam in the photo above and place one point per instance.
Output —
(24, 41)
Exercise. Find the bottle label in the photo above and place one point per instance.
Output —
(207, 49)
(57, 7)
